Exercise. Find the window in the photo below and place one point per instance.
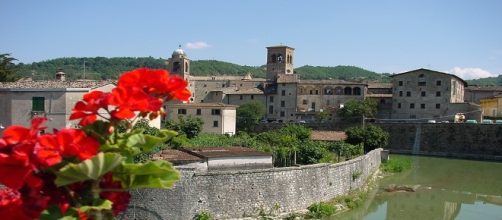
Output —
(215, 111)
(400, 83)
(182, 111)
(438, 106)
(283, 92)
(215, 124)
(282, 113)
(38, 104)
(398, 105)
(311, 92)
(199, 111)
(421, 83)
(422, 106)
(205, 85)
(271, 109)
(412, 105)
(421, 76)
(438, 82)
(422, 93)
(357, 91)
(317, 92)
(240, 97)
(408, 93)
(271, 99)
(400, 93)
(438, 93)
(313, 106)
(252, 96)
(305, 102)
(283, 104)
(347, 91)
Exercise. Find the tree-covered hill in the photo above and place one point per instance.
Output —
(110, 68)
(340, 72)
(492, 81)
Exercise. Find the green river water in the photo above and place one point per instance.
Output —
(449, 189)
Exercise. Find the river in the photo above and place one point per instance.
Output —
(449, 189)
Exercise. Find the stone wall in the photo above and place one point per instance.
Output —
(474, 141)
(233, 194)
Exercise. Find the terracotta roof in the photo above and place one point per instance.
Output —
(213, 152)
(330, 81)
(236, 91)
(328, 135)
(484, 88)
(379, 95)
(224, 78)
(176, 156)
(379, 85)
(205, 104)
(55, 84)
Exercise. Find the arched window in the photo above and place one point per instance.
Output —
(357, 91)
(338, 91)
(347, 91)
(186, 67)
(279, 58)
(421, 76)
(329, 91)
(273, 58)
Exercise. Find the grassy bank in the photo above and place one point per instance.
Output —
(396, 165)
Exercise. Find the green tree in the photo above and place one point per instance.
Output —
(188, 126)
(354, 110)
(371, 137)
(7, 72)
(249, 115)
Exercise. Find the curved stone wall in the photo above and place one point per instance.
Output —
(233, 194)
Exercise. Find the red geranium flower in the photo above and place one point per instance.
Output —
(87, 110)
(11, 205)
(65, 143)
(120, 199)
(16, 150)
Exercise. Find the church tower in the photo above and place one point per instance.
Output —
(179, 63)
(279, 61)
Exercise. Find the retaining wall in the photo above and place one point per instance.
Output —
(472, 141)
(234, 194)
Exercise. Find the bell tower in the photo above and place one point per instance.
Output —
(279, 61)
(179, 63)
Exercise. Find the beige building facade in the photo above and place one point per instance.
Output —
(218, 118)
(492, 106)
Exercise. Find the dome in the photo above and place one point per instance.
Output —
(179, 51)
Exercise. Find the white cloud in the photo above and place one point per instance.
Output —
(197, 45)
(471, 73)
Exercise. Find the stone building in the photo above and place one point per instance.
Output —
(475, 93)
(284, 95)
(218, 118)
(54, 99)
(424, 94)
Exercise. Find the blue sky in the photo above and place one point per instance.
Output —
(456, 36)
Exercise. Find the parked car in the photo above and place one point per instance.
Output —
(471, 121)
(487, 121)
(431, 121)
(498, 121)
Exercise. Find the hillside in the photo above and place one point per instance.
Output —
(492, 81)
(110, 68)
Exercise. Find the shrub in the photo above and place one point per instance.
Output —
(311, 152)
(203, 216)
(320, 210)
(396, 165)
(371, 137)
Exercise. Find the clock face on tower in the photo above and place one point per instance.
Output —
(288, 71)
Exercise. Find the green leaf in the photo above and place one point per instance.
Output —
(153, 174)
(103, 205)
(53, 212)
(92, 168)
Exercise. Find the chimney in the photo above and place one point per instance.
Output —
(60, 75)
